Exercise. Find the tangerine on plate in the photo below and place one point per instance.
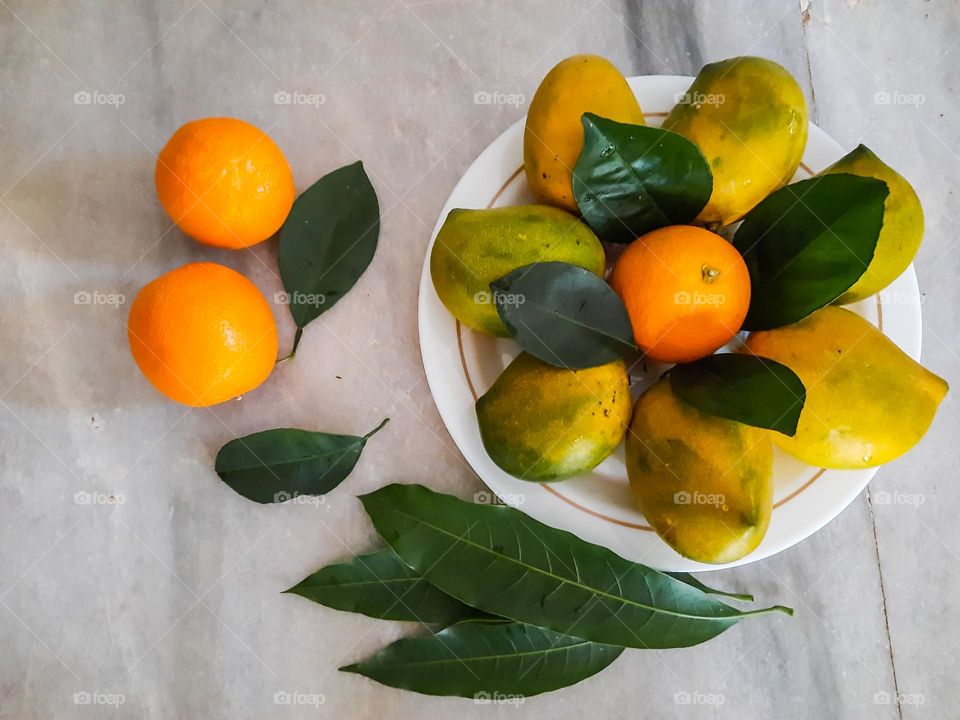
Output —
(202, 334)
(686, 290)
(224, 182)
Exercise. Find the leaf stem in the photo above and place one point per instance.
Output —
(376, 429)
(764, 611)
(293, 352)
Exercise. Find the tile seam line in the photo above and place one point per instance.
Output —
(883, 600)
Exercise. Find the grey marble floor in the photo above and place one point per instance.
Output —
(168, 597)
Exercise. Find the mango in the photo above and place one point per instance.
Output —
(544, 423)
(868, 402)
(748, 116)
(476, 247)
(705, 484)
(553, 137)
(902, 224)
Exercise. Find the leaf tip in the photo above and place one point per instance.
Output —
(354, 668)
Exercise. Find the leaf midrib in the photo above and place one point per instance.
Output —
(383, 581)
(626, 163)
(823, 227)
(295, 461)
(561, 579)
(484, 658)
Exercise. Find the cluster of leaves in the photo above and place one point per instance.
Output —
(804, 246)
(523, 608)
(326, 243)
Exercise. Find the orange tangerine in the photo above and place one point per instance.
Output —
(202, 334)
(686, 290)
(224, 182)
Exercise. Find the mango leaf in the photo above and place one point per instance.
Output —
(380, 585)
(692, 581)
(278, 465)
(503, 562)
(745, 388)
(807, 243)
(563, 314)
(327, 242)
(487, 661)
(631, 179)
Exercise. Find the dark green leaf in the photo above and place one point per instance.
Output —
(278, 465)
(691, 580)
(382, 586)
(503, 562)
(495, 662)
(807, 243)
(327, 241)
(748, 389)
(631, 179)
(563, 314)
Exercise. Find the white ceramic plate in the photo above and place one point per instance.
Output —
(461, 364)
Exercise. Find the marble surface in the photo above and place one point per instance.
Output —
(132, 578)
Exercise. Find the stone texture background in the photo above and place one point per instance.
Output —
(170, 598)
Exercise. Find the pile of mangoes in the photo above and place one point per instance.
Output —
(867, 402)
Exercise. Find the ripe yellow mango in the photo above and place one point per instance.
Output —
(553, 137)
(868, 402)
(748, 116)
(542, 423)
(476, 247)
(902, 224)
(705, 484)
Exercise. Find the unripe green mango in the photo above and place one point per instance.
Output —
(553, 135)
(476, 247)
(902, 228)
(867, 403)
(748, 116)
(704, 483)
(542, 423)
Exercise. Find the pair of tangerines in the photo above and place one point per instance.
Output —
(204, 333)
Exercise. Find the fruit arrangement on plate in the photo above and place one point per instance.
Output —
(684, 248)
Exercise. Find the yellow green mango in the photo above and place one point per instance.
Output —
(748, 116)
(476, 247)
(704, 483)
(868, 402)
(553, 137)
(543, 423)
(902, 224)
